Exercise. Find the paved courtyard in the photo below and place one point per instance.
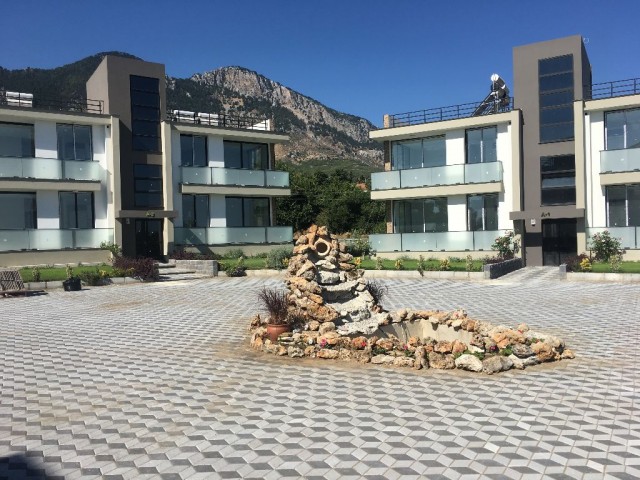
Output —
(157, 381)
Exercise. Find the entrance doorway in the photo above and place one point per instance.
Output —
(559, 240)
(149, 238)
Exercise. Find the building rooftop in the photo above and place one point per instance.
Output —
(28, 100)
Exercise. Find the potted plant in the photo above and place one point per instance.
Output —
(277, 304)
(72, 283)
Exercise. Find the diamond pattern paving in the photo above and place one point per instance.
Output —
(157, 381)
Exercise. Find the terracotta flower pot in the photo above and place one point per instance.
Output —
(274, 331)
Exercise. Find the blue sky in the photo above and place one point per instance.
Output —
(365, 57)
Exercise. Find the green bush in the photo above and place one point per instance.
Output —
(94, 277)
(237, 270)
(604, 246)
(145, 269)
(506, 245)
(278, 258)
(233, 253)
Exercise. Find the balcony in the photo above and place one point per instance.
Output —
(223, 120)
(232, 235)
(234, 177)
(49, 169)
(434, 241)
(451, 112)
(50, 239)
(461, 174)
(629, 236)
(624, 160)
(28, 100)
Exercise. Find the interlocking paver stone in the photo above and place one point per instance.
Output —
(157, 381)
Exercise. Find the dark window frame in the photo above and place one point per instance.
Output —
(606, 128)
(626, 205)
(399, 203)
(242, 159)
(560, 173)
(546, 130)
(137, 176)
(466, 143)
(75, 153)
(75, 210)
(394, 162)
(242, 210)
(136, 102)
(33, 138)
(193, 197)
(193, 150)
(34, 217)
(484, 197)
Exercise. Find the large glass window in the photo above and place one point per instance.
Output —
(623, 206)
(418, 216)
(147, 186)
(247, 212)
(195, 211)
(76, 210)
(555, 81)
(419, 153)
(482, 212)
(145, 113)
(558, 180)
(481, 145)
(252, 156)
(16, 140)
(623, 129)
(193, 150)
(18, 211)
(74, 142)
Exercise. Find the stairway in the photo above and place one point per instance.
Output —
(532, 275)
(169, 273)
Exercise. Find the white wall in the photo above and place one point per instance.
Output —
(505, 199)
(455, 146)
(176, 160)
(596, 206)
(101, 199)
(218, 211)
(457, 213)
(47, 205)
(46, 139)
(215, 151)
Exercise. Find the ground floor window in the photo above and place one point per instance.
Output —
(482, 212)
(623, 206)
(18, 211)
(195, 211)
(417, 216)
(76, 210)
(247, 212)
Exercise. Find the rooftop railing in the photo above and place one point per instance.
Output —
(618, 88)
(439, 114)
(224, 120)
(28, 100)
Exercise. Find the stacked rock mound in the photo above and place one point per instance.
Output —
(338, 318)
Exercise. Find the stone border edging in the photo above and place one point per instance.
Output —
(600, 277)
(456, 275)
(36, 286)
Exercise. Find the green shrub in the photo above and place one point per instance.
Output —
(399, 265)
(604, 246)
(360, 246)
(145, 269)
(233, 253)
(278, 258)
(468, 266)
(421, 265)
(237, 270)
(379, 263)
(36, 274)
(506, 245)
(445, 265)
(94, 278)
(276, 302)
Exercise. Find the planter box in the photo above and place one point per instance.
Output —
(208, 268)
(497, 270)
(72, 285)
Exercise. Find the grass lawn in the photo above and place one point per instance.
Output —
(252, 263)
(58, 274)
(625, 267)
(369, 264)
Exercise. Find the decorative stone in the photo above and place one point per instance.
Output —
(361, 356)
(544, 351)
(471, 325)
(413, 341)
(420, 356)
(313, 325)
(383, 360)
(359, 343)
(495, 364)
(456, 324)
(523, 327)
(327, 327)
(295, 352)
(282, 350)
(522, 350)
(443, 347)
(327, 353)
(469, 362)
(329, 338)
(441, 361)
(344, 354)
(403, 362)
(385, 343)
(309, 351)
(458, 347)
(326, 265)
(567, 354)
(327, 278)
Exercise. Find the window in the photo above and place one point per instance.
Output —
(558, 180)
(623, 129)
(16, 140)
(195, 211)
(623, 206)
(193, 151)
(481, 145)
(555, 80)
(76, 210)
(418, 216)
(148, 186)
(18, 211)
(247, 212)
(74, 142)
(482, 212)
(420, 153)
(145, 113)
(252, 156)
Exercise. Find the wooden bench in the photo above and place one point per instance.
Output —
(11, 283)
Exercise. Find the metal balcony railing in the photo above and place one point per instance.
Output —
(232, 235)
(49, 169)
(28, 100)
(617, 88)
(225, 120)
(434, 241)
(234, 177)
(53, 239)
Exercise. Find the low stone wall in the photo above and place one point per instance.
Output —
(443, 275)
(497, 270)
(209, 268)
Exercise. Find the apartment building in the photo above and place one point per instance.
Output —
(555, 164)
(121, 168)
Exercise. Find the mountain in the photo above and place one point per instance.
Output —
(319, 134)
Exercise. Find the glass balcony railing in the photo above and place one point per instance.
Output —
(235, 177)
(460, 174)
(626, 160)
(434, 241)
(629, 236)
(53, 239)
(49, 169)
(232, 235)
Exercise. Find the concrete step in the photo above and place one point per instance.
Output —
(533, 275)
(180, 277)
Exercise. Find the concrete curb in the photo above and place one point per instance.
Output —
(427, 275)
(603, 277)
(34, 286)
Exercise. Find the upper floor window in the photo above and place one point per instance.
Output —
(418, 153)
(482, 212)
(623, 129)
(481, 145)
(145, 113)
(556, 95)
(193, 150)
(147, 186)
(558, 180)
(195, 211)
(74, 142)
(623, 206)
(76, 210)
(248, 212)
(16, 140)
(18, 211)
(418, 216)
(252, 156)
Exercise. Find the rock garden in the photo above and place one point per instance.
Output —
(330, 311)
